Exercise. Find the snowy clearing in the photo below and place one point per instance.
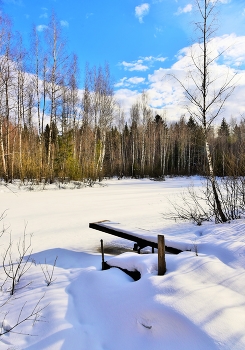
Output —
(198, 304)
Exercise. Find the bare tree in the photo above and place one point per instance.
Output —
(6, 92)
(39, 69)
(99, 102)
(134, 119)
(206, 91)
(74, 101)
(146, 114)
(57, 61)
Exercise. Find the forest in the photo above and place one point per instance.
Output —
(51, 129)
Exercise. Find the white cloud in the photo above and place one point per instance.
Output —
(189, 7)
(132, 66)
(159, 29)
(43, 15)
(224, 1)
(227, 49)
(45, 12)
(165, 93)
(233, 48)
(136, 80)
(126, 97)
(186, 9)
(122, 82)
(41, 27)
(153, 59)
(89, 15)
(142, 64)
(64, 23)
(126, 82)
(141, 11)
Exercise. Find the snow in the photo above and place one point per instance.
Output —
(198, 304)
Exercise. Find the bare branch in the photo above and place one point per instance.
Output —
(33, 316)
(47, 274)
(14, 270)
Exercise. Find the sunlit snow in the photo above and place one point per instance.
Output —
(198, 304)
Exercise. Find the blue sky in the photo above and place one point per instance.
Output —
(140, 40)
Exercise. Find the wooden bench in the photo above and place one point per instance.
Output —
(139, 240)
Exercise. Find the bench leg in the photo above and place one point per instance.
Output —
(137, 248)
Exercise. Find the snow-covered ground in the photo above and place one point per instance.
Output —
(198, 304)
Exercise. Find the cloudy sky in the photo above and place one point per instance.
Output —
(142, 42)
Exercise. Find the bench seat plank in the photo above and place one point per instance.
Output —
(139, 236)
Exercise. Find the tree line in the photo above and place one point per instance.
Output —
(49, 128)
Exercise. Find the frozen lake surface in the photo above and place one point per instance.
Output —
(198, 304)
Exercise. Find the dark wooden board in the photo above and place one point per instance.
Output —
(140, 242)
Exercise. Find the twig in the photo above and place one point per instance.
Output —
(34, 313)
(49, 275)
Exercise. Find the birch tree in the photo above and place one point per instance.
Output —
(40, 90)
(207, 91)
(57, 67)
(134, 119)
(6, 93)
(99, 103)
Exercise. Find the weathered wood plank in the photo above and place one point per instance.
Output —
(139, 241)
(161, 256)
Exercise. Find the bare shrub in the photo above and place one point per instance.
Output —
(34, 315)
(15, 269)
(200, 207)
(193, 209)
(49, 274)
(232, 197)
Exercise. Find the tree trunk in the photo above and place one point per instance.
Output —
(213, 183)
